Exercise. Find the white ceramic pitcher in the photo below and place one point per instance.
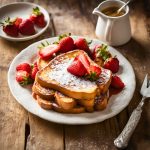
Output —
(114, 31)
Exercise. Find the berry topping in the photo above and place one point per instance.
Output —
(84, 60)
(82, 44)
(117, 82)
(48, 51)
(94, 72)
(23, 77)
(66, 43)
(112, 64)
(24, 67)
(81, 67)
(77, 68)
(34, 70)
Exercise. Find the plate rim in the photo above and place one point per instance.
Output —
(64, 122)
(26, 38)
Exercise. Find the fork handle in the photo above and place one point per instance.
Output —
(122, 140)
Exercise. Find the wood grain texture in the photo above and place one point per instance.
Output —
(22, 130)
(12, 116)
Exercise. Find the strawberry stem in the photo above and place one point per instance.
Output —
(36, 11)
(103, 52)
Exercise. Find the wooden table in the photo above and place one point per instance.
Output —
(21, 130)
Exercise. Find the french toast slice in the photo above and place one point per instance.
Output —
(65, 102)
(104, 81)
(75, 110)
(101, 101)
(43, 92)
(87, 103)
(55, 76)
(42, 63)
(44, 103)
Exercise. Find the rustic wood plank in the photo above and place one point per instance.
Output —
(44, 135)
(87, 137)
(12, 116)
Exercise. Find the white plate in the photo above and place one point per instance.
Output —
(23, 10)
(116, 103)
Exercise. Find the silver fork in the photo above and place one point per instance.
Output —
(122, 140)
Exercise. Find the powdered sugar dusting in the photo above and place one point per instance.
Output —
(66, 79)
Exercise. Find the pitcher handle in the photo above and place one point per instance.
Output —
(108, 30)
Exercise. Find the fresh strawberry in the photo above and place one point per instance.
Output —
(77, 68)
(18, 21)
(37, 17)
(94, 72)
(66, 44)
(35, 64)
(117, 83)
(23, 77)
(34, 71)
(10, 28)
(84, 60)
(82, 44)
(26, 27)
(24, 67)
(101, 51)
(48, 51)
(112, 64)
(81, 67)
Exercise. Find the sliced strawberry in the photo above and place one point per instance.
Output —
(117, 83)
(77, 68)
(23, 77)
(81, 66)
(82, 44)
(26, 27)
(35, 64)
(49, 51)
(34, 72)
(84, 60)
(94, 72)
(24, 67)
(66, 44)
(112, 64)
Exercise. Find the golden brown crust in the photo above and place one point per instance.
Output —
(87, 103)
(42, 63)
(74, 101)
(65, 102)
(101, 102)
(44, 93)
(43, 77)
(44, 103)
(75, 110)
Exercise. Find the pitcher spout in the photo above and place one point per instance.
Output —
(96, 11)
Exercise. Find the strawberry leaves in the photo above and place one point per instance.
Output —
(101, 51)
(36, 11)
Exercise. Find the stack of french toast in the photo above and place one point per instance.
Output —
(56, 89)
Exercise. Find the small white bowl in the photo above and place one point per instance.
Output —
(23, 10)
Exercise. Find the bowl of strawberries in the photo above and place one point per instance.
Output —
(22, 21)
